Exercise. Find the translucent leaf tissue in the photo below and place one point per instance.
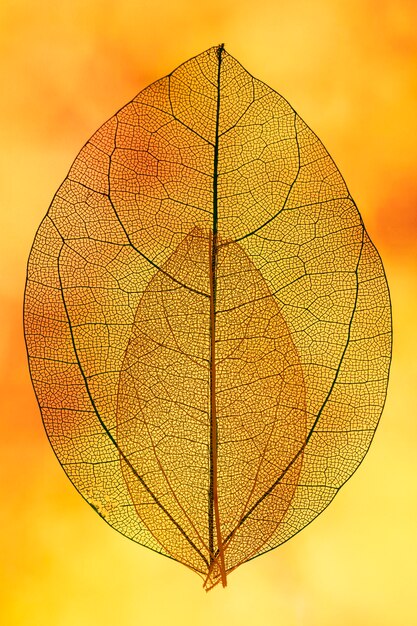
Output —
(207, 321)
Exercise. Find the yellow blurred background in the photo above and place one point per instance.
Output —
(349, 68)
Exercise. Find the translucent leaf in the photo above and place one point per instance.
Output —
(207, 322)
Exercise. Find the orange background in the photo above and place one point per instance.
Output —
(349, 68)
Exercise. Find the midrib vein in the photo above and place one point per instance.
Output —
(213, 512)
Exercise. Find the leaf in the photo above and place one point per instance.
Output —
(207, 321)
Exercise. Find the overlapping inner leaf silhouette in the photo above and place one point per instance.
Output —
(164, 405)
(207, 321)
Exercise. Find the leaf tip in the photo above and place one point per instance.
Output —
(220, 50)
